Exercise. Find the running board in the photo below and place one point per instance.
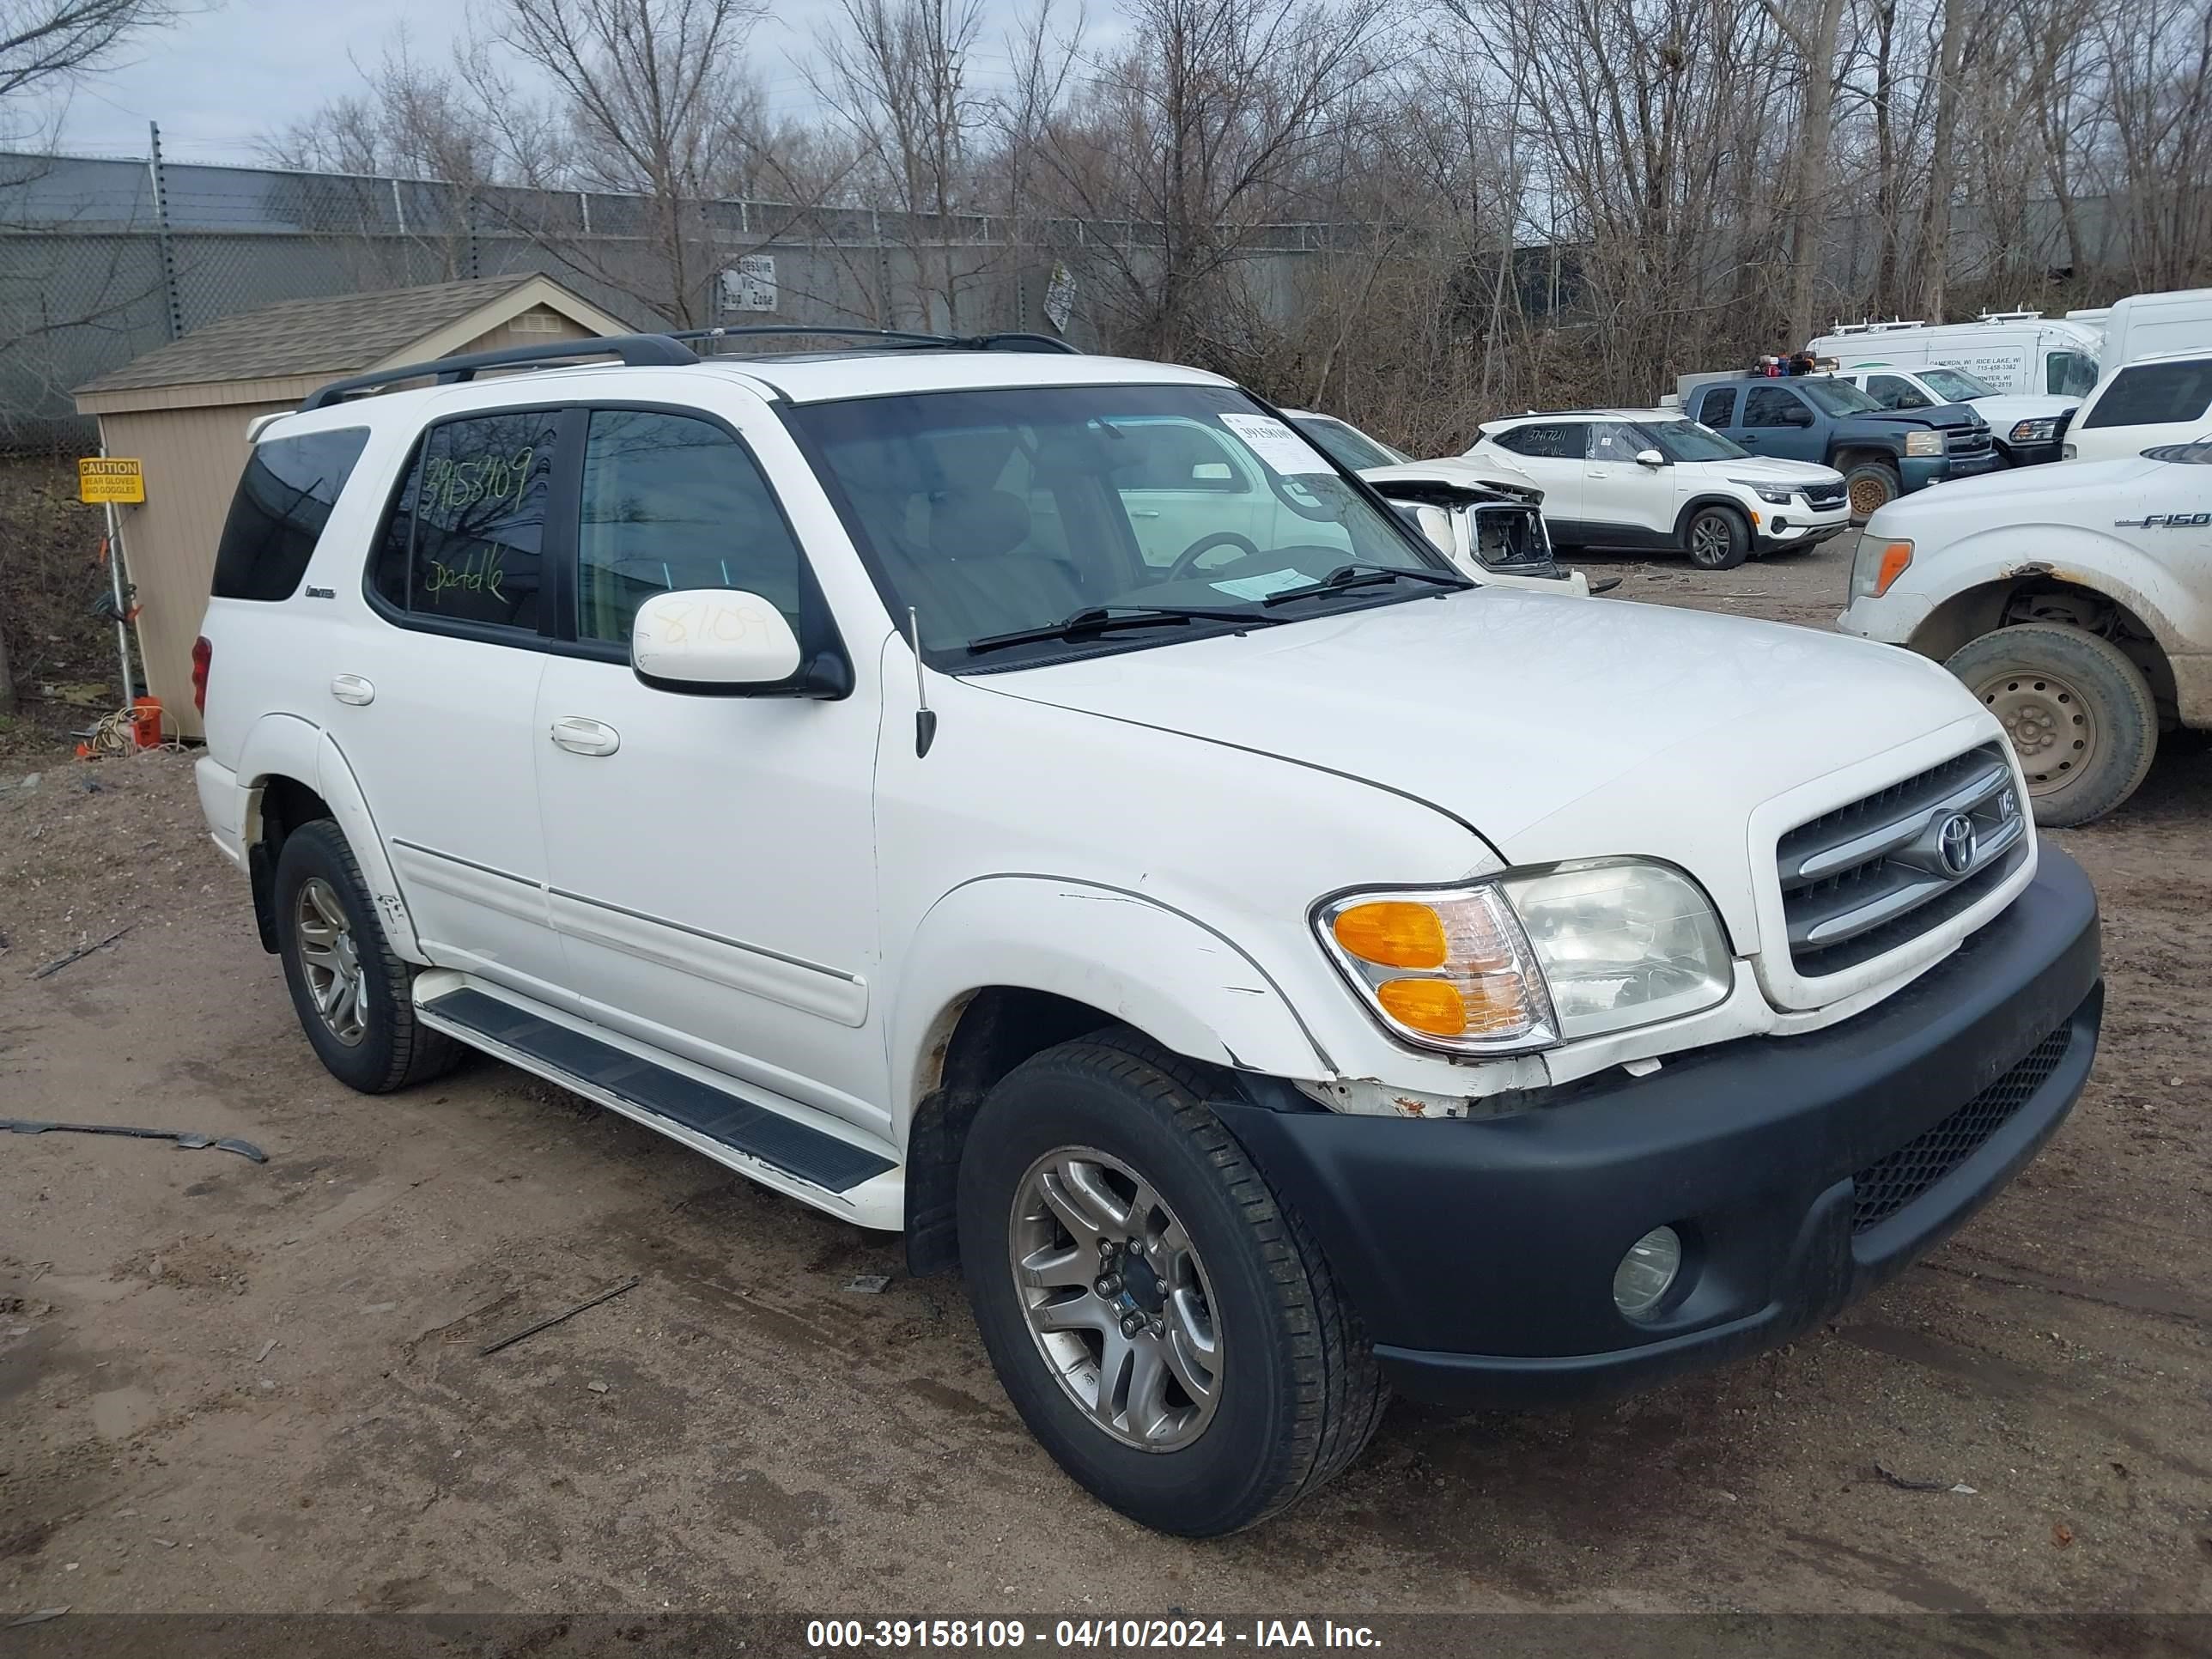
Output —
(828, 1171)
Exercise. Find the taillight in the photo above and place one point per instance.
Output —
(203, 655)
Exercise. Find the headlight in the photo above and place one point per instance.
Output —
(2035, 432)
(1525, 961)
(1923, 443)
(1779, 495)
(1879, 561)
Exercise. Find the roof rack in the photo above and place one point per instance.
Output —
(1875, 327)
(1004, 342)
(636, 350)
(666, 351)
(2009, 317)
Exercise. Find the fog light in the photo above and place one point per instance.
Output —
(1647, 1272)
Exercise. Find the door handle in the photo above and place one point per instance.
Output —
(351, 688)
(581, 737)
(1144, 512)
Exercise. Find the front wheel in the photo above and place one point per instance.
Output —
(2079, 714)
(1869, 486)
(1163, 1326)
(1717, 538)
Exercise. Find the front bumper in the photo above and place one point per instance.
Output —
(1801, 530)
(1799, 1170)
(2037, 454)
(1919, 471)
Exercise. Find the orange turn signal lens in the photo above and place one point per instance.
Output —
(1393, 933)
(1433, 1006)
(1894, 558)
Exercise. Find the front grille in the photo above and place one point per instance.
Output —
(1969, 440)
(1888, 1184)
(1869, 877)
(1824, 495)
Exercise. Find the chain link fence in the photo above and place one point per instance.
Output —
(102, 259)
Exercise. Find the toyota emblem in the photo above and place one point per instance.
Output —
(1956, 841)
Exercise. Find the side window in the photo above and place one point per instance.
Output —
(1545, 440)
(1614, 441)
(1718, 408)
(2155, 394)
(284, 497)
(464, 541)
(1769, 405)
(1894, 392)
(1178, 455)
(670, 502)
(2069, 373)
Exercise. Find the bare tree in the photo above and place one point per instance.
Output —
(655, 106)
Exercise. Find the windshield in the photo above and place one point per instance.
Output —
(1347, 446)
(994, 513)
(1955, 384)
(1837, 397)
(1685, 440)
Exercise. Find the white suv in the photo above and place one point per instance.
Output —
(1269, 974)
(1642, 480)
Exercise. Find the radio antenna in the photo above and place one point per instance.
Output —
(924, 717)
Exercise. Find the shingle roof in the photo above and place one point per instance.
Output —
(330, 336)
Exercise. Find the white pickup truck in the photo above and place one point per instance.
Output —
(2076, 601)
(1273, 968)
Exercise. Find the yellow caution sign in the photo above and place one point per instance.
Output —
(110, 479)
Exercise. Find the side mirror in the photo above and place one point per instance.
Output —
(712, 639)
(1649, 458)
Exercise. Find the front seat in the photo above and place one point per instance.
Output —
(973, 534)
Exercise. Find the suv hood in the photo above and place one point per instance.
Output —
(2067, 494)
(1769, 470)
(1555, 727)
(2005, 410)
(1497, 478)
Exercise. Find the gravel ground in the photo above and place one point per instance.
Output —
(237, 1386)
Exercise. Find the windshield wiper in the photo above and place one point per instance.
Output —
(1104, 618)
(1367, 575)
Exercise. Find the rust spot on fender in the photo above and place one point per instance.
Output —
(1409, 1106)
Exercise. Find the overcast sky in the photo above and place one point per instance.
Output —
(218, 82)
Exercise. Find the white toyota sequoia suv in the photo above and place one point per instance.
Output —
(1273, 968)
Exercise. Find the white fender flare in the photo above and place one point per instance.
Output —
(282, 745)
(1179, 981)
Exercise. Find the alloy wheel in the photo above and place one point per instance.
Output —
(1712, 540)
(1117, 1298)
(331, 961)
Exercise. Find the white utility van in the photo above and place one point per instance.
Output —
(2013, 351)
(2152, 325)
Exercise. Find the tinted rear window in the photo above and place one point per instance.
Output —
(283, 500)
(2155, 394)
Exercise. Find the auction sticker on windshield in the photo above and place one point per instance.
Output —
(1259, 587)
(1277, 445)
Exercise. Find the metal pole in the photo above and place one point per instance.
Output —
(167, 252)
(115, 584)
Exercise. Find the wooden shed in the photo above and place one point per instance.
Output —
(184, 409)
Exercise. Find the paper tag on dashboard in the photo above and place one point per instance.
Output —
(1259, 587)
(1277, 445)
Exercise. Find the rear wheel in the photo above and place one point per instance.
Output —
(1870, 485)
(2079, 714)
(351, 990)
(1163, 1326)
(1716, 538)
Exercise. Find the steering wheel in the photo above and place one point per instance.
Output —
(1186, 567)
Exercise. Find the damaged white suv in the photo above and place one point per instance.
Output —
(1273, 968)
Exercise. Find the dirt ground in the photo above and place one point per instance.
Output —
(235, 1386)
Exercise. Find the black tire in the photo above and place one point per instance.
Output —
(2079, 712)
(1869, 486)
(1298, 1391)
(1715, 537)
(393, 1048)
